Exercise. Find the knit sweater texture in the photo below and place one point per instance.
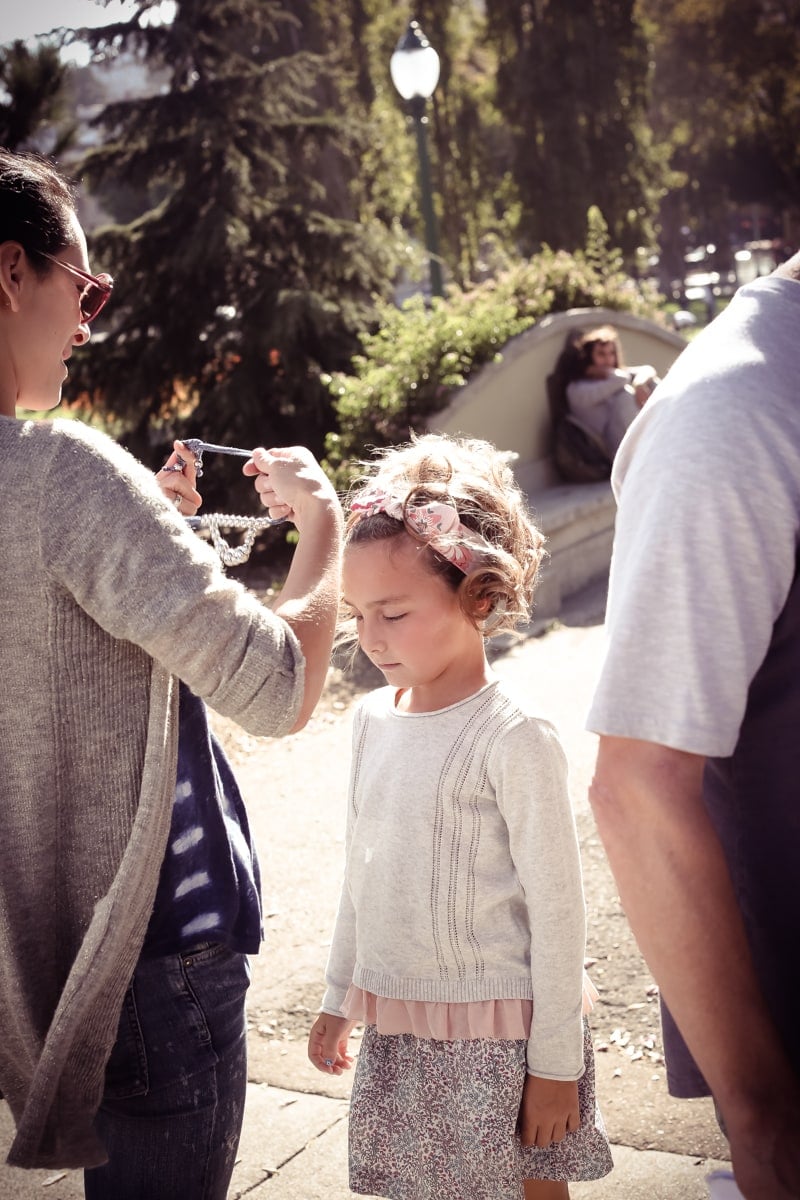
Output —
(463, 878)
(105, 598)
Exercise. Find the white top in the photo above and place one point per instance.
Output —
(463, 874)
(708, 482)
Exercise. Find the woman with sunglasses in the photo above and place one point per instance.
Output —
(128, 888)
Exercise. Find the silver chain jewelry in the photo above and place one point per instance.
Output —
(230, 556)
(233, 556)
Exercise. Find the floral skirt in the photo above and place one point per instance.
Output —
(435, 1120)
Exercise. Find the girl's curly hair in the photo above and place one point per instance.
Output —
(475, 477)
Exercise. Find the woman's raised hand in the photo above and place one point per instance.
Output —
(177, 480)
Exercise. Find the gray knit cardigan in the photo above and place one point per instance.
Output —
(105, 598)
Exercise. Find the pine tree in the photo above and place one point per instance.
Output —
(726, 104)
(33, 90)
(248, 273)
(573, 87)
(472, 149)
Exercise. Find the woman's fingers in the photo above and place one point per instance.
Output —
(176, 480)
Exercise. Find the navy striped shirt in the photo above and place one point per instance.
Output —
(209, 888)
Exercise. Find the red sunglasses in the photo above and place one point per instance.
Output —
(95, 295)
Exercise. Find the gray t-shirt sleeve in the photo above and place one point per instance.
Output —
(706, 537)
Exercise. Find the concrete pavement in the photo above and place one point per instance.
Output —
(294, 1147)
(295, 1130)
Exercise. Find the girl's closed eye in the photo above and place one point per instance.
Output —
(394, 616)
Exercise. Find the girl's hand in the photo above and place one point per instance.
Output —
(548, 1111)
(327, 1044)
(291, 483)
(177, 480)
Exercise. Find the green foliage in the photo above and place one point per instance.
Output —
(600, 254)
(267, 198)
(32, 97)
(471, 146)
(252, 268)
(418, 357)
(725, 107)
(467, 138)
(572, 85)
(408, 368)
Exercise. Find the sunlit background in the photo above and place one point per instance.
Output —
(31, 20)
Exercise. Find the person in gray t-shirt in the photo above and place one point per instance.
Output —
(698, 707)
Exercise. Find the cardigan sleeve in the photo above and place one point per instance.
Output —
(131, 563)
(531, 782)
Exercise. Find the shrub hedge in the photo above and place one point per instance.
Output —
(419, 354)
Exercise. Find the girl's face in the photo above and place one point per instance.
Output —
(410, 624)
(41, 323)
(604, 356)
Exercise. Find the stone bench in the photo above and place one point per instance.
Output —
(507, 404)
(578, 521)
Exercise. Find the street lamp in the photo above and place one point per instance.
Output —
(414, 68)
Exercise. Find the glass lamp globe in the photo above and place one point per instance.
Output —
(414, 66)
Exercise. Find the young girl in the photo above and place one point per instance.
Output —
(459, 940)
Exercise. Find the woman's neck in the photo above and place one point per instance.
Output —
(8, 390)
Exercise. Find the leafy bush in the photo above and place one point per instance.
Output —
(409, 367)
(418, 356)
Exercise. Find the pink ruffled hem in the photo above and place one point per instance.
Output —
(508, 1019)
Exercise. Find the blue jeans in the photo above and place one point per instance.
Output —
(176, 1080)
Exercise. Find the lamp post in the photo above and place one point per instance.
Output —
(414, 68)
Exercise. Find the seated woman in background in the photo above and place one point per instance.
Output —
(603, 395)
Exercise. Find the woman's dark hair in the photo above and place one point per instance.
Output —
(603, 335)
(36, 205)
(569, 364)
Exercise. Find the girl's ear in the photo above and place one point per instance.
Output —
(12, 269)
(494, 617)
(483, 611)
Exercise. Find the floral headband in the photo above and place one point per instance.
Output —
(436, 522)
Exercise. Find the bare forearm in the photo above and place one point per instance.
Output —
(309, 599)
(677, 893)
(291, 484)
